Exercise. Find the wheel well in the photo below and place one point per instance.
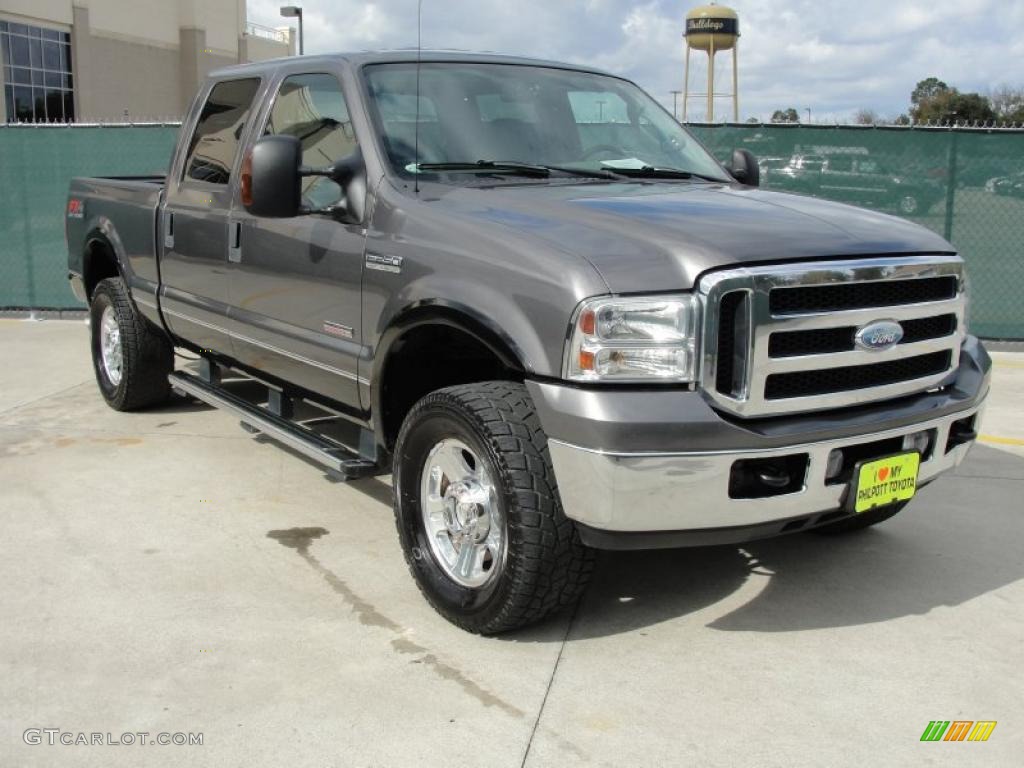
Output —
(98, 263)
(430, 357)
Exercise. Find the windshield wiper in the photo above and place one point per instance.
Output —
(652, 172)
(487, 166)
(515, 167)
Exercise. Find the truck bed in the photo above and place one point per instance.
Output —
(130, 203)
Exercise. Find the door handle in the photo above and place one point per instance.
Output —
(168, 230)
(235, 242)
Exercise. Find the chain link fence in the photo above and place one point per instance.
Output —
(965, 184)
(37, 163)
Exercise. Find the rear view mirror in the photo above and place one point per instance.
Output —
(271, 181)
(744, 168)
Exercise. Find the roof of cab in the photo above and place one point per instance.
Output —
(399, 56)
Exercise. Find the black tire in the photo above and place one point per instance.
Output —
(147, 354)
(546, 566)
(861, 521)
(910, 205)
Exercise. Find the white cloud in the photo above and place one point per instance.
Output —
(833, 56)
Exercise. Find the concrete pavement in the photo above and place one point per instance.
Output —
(167, 572)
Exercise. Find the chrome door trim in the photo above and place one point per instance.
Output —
(269, 347)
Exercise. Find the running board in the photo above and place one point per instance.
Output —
(336, 457)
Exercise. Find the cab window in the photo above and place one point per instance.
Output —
(211, 153)
(312, 109)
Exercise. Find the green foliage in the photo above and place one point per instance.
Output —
(928, 89)
(789, 115)
(934, 101)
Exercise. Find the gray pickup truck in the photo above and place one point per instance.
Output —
(528, 294)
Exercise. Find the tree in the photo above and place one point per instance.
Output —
(866, 117)
(902, 119)
(934, 101)
(753, 120)
(785, 116)
(970, 108)
(927, 89)
(1008, 103)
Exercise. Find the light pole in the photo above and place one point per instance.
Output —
(294, 11)
(808, 114)
(675, 103)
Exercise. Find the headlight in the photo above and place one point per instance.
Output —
(633, 339)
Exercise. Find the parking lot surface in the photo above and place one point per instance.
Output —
(166, 572)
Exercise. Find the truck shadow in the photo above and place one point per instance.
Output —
(959, 540)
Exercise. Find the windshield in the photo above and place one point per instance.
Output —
(526, 114)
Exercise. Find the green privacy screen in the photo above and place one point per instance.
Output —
(36, 164)
(966, 184)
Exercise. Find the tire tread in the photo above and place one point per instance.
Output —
(554, 567)
(148, 356)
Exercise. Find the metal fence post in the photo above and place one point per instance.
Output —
(26, 223)
(947, 230)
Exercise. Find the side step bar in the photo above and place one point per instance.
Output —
(336, 457)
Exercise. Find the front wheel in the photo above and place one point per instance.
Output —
(478, 512)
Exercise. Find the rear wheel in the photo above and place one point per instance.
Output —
(478, 513)
(861, 521)
(909, 205)
(130, 357)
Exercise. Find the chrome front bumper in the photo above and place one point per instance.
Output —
(668, 492)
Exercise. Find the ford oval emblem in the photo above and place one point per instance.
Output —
(879, 336)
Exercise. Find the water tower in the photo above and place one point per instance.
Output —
(712, 28)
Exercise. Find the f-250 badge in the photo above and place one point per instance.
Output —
(384, 263)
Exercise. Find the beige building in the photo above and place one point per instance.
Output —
(120, 60)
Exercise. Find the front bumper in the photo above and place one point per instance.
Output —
(652, 468)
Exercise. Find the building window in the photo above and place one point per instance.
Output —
(38, 87)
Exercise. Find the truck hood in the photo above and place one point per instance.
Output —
(642, 237)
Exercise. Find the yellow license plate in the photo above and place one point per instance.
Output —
(886, 481)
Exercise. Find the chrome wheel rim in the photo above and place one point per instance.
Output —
(458, 500)
(110, 346)
(908, 204)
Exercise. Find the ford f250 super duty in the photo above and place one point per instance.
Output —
(527, 293)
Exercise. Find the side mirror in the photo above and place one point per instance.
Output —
(271, 179)
(349, 173)
(744, 168)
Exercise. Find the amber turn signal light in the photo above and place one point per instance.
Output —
(246, 185)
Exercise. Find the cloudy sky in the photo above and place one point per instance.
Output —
(834, 56)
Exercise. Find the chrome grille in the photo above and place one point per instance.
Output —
(781, 339)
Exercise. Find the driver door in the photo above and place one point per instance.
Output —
(295, 283)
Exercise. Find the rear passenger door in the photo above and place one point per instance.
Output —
(295, 288)
(194, 219)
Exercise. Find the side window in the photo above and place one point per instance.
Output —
(598, 107)
(211, 153)
(312, 108)
(602, 119)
